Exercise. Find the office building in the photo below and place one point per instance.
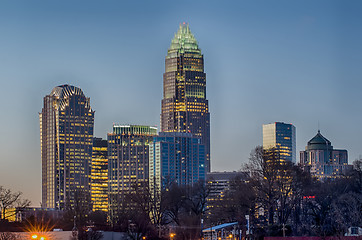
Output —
(176, 158)
(220, 182)
(66, 137)
(321, 160)
(128, 156)
(37, 214)
(99, 175)
(184, 107)
(281, 137)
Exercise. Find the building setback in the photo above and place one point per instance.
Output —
(128, 156)
(184, 107)
(99, 175)
(66, 136)
(281, 137)
(176, 158)
(321, 160)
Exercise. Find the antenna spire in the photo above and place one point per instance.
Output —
(319, 131)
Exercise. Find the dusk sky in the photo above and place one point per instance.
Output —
(297, 62)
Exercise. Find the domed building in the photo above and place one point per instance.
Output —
(321, 160)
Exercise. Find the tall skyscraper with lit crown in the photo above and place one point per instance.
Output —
(66, 137)
(184, 104)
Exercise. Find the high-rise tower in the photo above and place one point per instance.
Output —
(99, 175)
(184, 104)
(176, 158)
(281, 137)
(128, 158)
(66, 136)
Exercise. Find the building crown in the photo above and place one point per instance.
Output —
(183, 42)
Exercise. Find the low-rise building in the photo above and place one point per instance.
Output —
(321, 160)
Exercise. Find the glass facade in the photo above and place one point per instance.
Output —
(281, 137)
(176, 158)
(128, 156)
(184, 107)
(99, 175)
(66, 137)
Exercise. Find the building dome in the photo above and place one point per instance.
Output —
(318, 142)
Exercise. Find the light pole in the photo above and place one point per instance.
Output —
(75, 230)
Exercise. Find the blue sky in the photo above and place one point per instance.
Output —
(293, 61)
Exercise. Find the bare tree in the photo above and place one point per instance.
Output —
(11, 203)
(8, 236)
(264, 167)
(279, 188)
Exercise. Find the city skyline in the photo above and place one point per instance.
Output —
(304, 54)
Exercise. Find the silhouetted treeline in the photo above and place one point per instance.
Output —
(278, 196)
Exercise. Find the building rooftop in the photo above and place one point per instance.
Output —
(63, 91)
(227, 175)
(134, 129)
(183, 42)
(319, 142)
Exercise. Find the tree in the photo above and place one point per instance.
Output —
(335, 205)
(78, 210)
(346, 212)
(197, 198)
(264, 168)
(11, 203)
(8, 236)
(140, 212)
(356, 176)
(235, 203)
(279, 187)
(174, 198)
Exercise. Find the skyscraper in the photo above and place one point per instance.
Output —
(176, 158)
(184, 104)
(321, 160)
(99, 175)
(128, 156)
(281, 137)
(66, 136)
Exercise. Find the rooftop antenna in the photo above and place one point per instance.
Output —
(318, 127)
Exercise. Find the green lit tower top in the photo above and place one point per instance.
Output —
(184, 104)
(183, 42)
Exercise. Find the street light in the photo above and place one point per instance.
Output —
(35, 236)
